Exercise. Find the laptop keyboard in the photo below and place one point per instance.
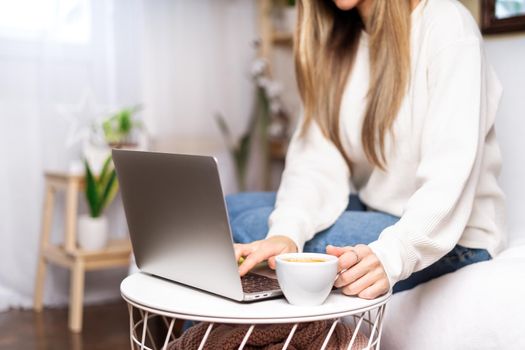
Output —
(253, 283)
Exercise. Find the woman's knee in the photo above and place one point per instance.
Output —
(244, 201)
(251, 225)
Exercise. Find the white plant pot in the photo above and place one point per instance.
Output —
(92, 232)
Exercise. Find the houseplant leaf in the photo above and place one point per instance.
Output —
(92, 195)
(225, 131)
(105, 167)
(109, 190)
(105, 175)
(125, 122)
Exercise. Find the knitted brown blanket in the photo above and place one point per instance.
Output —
(308, 336)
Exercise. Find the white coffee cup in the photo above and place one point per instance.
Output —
(306, 283)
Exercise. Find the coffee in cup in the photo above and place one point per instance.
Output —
(306, 260)
(306, 278)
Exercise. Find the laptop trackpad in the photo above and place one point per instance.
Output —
(263, 270)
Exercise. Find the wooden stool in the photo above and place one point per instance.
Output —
(116, 254)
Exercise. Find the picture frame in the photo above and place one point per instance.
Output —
(492, 24)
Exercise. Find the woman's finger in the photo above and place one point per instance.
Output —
(333, 250)
(356, 271)
(262, 253)
(347, 260)
(376, 290)
(242, 250)
(271, 262)
(362, 250)
(351, 275)
(361, 284)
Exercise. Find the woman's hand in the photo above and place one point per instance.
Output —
(364, 275)
(266, 249)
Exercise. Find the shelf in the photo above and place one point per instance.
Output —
(278, 150)
(281, 38)
(114, 247)
(67, 254)
(116, 254)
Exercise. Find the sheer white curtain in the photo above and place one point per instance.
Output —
(183, 60)
(52, 53)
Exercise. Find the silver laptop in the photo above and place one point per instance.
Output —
(179, 226)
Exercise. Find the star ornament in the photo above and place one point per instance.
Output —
(82, 118)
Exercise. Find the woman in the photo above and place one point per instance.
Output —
(399, 103)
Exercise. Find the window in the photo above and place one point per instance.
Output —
(66, 21)
(509, 8)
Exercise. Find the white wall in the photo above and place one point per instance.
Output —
(196, 62)
(507, 54)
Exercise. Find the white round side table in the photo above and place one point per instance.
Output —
(151, 297)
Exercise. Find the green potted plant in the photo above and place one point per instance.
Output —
(239, 150)
(100, 192)
(118, 128)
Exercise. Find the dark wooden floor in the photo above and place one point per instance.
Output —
(105, 328)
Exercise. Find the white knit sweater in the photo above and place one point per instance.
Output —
(442, 166)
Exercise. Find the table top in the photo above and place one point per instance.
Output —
(171, 299)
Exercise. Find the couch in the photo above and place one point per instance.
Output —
(481, 306)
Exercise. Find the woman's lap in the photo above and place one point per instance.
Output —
(351, 228)
(249, 214)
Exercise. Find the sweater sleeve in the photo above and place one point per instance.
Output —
(447, 175)
(314, 189)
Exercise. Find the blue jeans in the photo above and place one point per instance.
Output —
(249, 212)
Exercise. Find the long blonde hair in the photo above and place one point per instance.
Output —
(326, 42)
